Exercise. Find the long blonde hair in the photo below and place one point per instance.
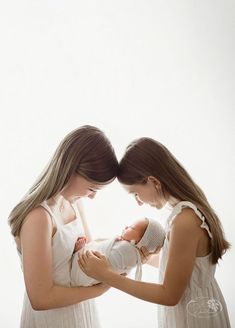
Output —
(147, 157)
(86, 151)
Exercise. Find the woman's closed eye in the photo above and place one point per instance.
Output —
(93, 190)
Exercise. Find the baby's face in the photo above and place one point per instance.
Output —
(135, 231)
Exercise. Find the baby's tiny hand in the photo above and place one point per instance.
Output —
(80, 243)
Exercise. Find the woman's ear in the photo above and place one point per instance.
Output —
(154, 180)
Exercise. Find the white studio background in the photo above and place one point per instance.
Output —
(163, 69)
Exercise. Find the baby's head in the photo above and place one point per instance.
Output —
(145, 232)
(135, 231)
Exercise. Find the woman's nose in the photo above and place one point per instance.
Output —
(139, 202)
(92, 195)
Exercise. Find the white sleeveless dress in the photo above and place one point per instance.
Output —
(82, 315)
(202, 304)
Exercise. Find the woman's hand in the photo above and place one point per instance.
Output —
(94, 264)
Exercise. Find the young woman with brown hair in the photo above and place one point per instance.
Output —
(193, 245)
(47, 223)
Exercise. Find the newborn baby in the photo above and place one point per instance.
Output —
(122, 251)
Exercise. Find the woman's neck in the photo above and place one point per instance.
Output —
(172, 201)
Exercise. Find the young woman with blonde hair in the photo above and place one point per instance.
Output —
(47, 223)
(193, 245)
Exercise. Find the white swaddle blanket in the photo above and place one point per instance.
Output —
(121, 254)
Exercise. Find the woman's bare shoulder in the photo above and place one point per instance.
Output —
(187, 220)
(36, 218)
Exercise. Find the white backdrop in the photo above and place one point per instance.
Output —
(163, 69)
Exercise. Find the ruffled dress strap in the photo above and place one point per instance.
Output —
(183, 204)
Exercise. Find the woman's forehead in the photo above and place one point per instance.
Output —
(130, 188)
(100, 185)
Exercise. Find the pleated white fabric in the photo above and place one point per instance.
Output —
(202, 285)
(82, 315)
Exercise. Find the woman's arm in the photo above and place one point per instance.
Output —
(183, 244)
(35, 237)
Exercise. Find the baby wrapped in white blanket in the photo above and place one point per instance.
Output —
(123, 251)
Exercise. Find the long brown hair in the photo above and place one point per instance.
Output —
(85, 151)
(147, 157)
